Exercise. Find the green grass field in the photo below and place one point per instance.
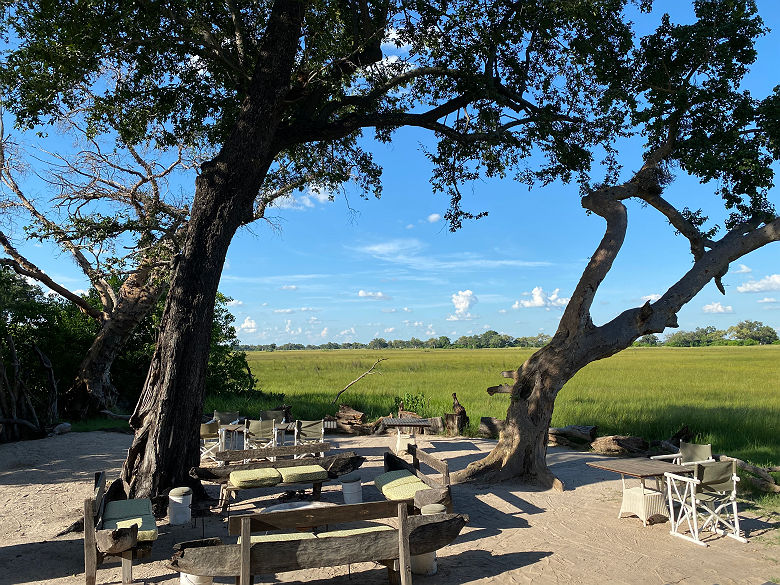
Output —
(728, 396)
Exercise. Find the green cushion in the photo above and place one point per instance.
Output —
(121, 509)
(249, 478)
(351, 531)
(391, 479)
(403, 491)
(280, 537)
(303, 473)
(147, 526)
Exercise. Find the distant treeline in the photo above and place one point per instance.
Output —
(743, 333)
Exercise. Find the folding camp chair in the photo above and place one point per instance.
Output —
(309, 431)
(689, 454)
(278, 417)
(710, 495)
(259, 434)
(209, 440)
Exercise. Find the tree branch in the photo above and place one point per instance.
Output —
(361, 376)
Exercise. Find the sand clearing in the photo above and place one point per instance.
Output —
(515, 535)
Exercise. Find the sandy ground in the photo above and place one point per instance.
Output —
(515, 535)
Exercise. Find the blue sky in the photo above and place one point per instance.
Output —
(354, 269)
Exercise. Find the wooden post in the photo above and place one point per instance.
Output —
(127, 567)
(246, 550)
(90, 546)
(404, 558)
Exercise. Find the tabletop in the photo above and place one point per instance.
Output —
(406, 422)
(640, 467)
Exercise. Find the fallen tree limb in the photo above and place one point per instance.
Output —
(368, 371)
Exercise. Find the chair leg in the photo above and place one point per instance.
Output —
(127, 568)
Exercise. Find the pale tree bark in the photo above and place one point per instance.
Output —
(167, 416)
(522, 446)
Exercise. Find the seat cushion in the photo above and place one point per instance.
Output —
(147, 526)
(249, 478)
(303, 473)
(125, 513)
(391, 479)
(280, 537)
(403, 491)
(352, 531)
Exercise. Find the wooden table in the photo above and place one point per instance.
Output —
(641, 500)
(404, 423)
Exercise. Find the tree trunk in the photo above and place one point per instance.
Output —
(167, 417)
(522, 444)
(92, 390)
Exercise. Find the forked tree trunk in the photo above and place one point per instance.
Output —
(93, 390)
(167, 416)
(522, 445)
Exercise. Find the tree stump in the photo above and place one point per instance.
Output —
(490, 427)
(455, 423)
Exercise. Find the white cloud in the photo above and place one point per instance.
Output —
(389, 329)
(406, 310)
(389, 310)
(433, 218)
(378, 295)
(350, 331)
(652, 298)
(742, 269)
(235, 303)
(324, 332)
(288, 328)
(307, 200)
(306, 309)
(313, 320)
(284, 311)
(502, 310)
(463, 300)
(430, 331)
(771, 282)
(716, 307)
(540, 299)
(248, 326)
(768, 300)
(81, 292)
(418, 324)
(289, 287)
(410, 226)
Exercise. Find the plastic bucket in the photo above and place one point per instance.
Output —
(179, 512)
(425, 564)
(187, 579)
(352, 488)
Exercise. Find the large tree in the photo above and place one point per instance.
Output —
(698, 120)
(282, 90)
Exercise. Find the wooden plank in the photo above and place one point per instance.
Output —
(404, 558)
(246, 551)
(99, 492)
(90, 548)
(426, 534)
(291, 519)
(127, 567)
(111, 542)
(281, 451)
(336, 465)
(640, 467)
(431, 461)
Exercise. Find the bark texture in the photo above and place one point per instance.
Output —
(168, 413)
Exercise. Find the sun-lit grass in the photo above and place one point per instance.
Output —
(729, 396)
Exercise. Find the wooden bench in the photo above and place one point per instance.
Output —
(404, 481)
(116, 526)
(291, 550)
(274, 473)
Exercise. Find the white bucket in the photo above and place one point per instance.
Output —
(425, 564)
(187, 579)
(352, 489)
(179, 512)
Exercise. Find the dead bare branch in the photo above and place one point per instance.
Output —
(361, 376)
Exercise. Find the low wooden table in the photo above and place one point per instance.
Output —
(640, 500)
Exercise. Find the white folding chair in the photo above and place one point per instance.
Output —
(209, 440)
(709, 495)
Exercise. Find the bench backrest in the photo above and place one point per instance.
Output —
(267, 452)
(312, 517)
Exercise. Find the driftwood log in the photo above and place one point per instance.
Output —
(620, 445)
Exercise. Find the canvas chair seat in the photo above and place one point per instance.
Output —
(209, 440)
(705, 501)
(689, 454)
(309, 431)
(259, 434)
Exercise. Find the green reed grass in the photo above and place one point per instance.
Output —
(728, 396)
